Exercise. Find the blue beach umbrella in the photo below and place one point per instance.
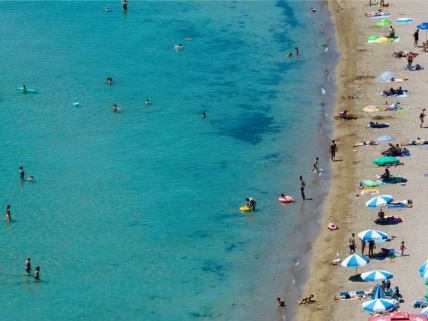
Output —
(423, 267)
(386, 76)
(373, 235)
(379, 201)
(385, 138)
(424, 311)
(355, 261)
(376, 275)
(423, 26)
(378, 292)
(424, 274)
(378, 305)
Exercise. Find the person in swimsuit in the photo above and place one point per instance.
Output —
(37, 274)
(333, 150)
(416, 38)
(302, 187)
(297, 51)
(21, 172)
(280, 302)
(421, 117)
(147, 102)
(352, 245)
(28, 265)
(125, 5)
(315, 167)
(8, 216)
(115, 109)
(203, 115)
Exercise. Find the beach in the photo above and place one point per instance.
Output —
(360, 65)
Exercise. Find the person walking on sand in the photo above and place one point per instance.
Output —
(416, 38)
(333, 150)
(372, 246)
(302, 187)
(352, 245)
(421, 117)
(315, 167)
(402, 248)
(8, 216)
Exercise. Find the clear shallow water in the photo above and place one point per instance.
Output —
(134, 215)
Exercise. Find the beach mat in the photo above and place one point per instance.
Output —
(369, 183)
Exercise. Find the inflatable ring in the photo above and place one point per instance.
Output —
(332, 226)
(286, 199)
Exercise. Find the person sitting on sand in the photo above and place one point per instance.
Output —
(386, 176)
(307, 299)
(280, 302)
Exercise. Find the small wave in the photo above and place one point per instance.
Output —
(323, 91)
(296, 262)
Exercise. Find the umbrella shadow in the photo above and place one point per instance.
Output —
(356, 278)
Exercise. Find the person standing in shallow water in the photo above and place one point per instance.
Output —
(37, 274)
(28, 265)
(125, 5)
(8, 215)
(333, 150)
(302, 187)
(21, 172)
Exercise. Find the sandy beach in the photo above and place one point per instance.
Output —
(360, 65)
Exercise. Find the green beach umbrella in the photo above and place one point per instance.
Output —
(383, 23)
(388, 160)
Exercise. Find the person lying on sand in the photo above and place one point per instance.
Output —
(417, 141)
(307, 300)
(370, 142)
(403, 54)
(349, 296)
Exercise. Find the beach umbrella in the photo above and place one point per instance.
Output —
(378, 305)
(423, 26)
(355, 261)
(378, 292)
(423, 267)
(385, 138)
(424, 311)
(387, 160)
(383, 23)
(376, 275)
(424, 274)
(386, 76)
(379, 201)
(373, 235)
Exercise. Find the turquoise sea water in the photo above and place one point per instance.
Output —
(134, 216)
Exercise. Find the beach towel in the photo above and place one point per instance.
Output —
(393, 180)
(404, 21)
(378, 125)
(371, 109)
(381, 16)
(401, 204)
(369, 183)
(382, 39)
(413, 68)
(370, 191)
(397, 206)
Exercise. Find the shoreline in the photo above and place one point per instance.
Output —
(319, 277)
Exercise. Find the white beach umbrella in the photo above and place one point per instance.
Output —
(373, 235)
(376, 276)
(378, 305)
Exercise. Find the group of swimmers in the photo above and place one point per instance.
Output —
(28, 269)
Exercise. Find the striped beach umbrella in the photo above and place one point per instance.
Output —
(355, 261)
(424, 311)
(378, 292)
(373, 235)
(423, 267)
(378, 305)
(379, 201)
(376, 275)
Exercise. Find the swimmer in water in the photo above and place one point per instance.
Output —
(28, 265)
(281, 302)
(8, 216)
(109, 81)
(203, 115)
(316, 165)
(313, 10)
(179, 47)
(21, 172)
(31, 178)
(115, 109)
(37, 274)
(125, 5)
(297, 51)
(147, 102)
(106, 9)
(290, 54)
(24, 88)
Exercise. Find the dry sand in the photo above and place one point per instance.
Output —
(359, 66)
